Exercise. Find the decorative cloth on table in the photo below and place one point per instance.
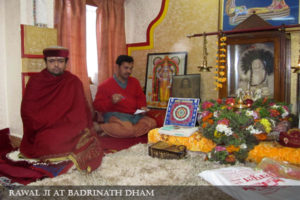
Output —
(196, 142)
(291, 138)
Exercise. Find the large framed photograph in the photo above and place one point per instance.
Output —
(276, 12)
(257, 63)
(186, 86)
(161, 67)
(255, 66)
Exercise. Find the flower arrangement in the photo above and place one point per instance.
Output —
(236, 132)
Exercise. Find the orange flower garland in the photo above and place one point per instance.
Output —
(275, 151)
(221, 63)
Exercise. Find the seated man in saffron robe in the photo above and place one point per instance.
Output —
(56, 119)
(118, 98)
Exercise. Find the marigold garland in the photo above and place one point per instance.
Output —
(275, 151)
(220, 75)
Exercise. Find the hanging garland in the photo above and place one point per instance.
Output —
(220, 77)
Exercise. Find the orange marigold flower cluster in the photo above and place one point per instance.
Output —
(275, 151)
(232, 148)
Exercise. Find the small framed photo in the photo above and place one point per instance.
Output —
(186, 86)
(161, 67)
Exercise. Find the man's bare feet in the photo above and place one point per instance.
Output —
(98, 129)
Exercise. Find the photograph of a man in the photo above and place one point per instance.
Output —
(257, 71)
(186, 86)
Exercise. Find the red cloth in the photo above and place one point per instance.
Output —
(159, 116)
(134, 97)
(112, 144)
(56, 120)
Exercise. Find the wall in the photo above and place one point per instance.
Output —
(138, 15)
(185, 17)
(13, 64)
(3, 80)
(42, 15)
(12, 14)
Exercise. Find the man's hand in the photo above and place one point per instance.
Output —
(115, 98)
(145, 109)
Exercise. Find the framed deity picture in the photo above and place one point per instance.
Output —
(257, 63)
(275, 12)
(186, 86)
(161, 67)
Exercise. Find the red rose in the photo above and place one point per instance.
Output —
(248, 102)
(230, 101)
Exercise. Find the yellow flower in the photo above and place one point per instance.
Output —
(266, 124)
(222, 55)
(222, 80)
(217, 134)
(222, 73)
(222, 49)
(220, 85)
(222, 61)
(223, 38)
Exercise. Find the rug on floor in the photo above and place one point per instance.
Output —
(134, 166)
(112, 145)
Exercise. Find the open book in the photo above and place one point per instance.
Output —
(177, 130)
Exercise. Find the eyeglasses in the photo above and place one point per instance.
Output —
(60, 60)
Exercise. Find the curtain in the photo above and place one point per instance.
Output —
(70, 21)
(111, 42)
